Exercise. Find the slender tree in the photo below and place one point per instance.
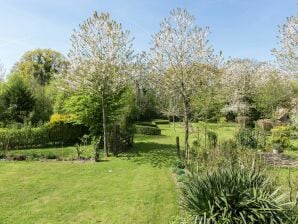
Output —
(178, 56)
(100, 59)
(287, 52)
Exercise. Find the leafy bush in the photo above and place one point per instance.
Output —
(234, 196)
(281, 137)
(231, 116)
(161, 122)
(145, 130)
(63, 129)
(246, 137)
(149, 124)
(179, 171)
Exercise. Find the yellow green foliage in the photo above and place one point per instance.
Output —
(281, 135)
(56, 118)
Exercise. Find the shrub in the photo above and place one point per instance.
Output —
(179, 164)
(234, 196)
(281, 137)
(145, 130)
(231, 116)
(63, 129)
(246, 137)
(161, 122)
(179, 171)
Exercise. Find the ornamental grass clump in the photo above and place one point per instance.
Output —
(234, 196)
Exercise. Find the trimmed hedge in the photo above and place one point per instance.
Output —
(22, 138)
(149, 124)
(50, 134)
(146, 130)
(161, 122)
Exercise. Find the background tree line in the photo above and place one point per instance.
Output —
(103, 81)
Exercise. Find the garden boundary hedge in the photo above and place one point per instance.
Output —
(146, 130)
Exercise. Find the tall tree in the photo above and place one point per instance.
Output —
(287, 52)
(41, 65)
(100, 59)
(39, 68)
(178, 56)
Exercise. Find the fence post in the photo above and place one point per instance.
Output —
(177, 147)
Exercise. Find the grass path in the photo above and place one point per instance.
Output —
(134, 188)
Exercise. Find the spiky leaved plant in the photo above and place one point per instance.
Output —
(234, 196)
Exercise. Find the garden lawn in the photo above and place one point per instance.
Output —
(136, 187)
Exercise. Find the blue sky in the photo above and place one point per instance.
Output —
(240, 28)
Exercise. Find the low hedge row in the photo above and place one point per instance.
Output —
(146, 130)
(149, 124)
(161, 122)
(50, 134)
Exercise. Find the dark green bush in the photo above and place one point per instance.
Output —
(161, 122)
(66, 133)
(179, 171)
(145, 130)
(246, 137)
(231, 116)
(234, 196)
(179, 164)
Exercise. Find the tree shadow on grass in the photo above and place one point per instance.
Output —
(157, 155)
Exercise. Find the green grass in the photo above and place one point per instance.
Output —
(136, 187)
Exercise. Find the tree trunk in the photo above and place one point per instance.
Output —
(104, 126)
(186, 131)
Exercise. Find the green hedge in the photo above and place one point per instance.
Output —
(66, 133)
(50, 134)
(149, 124)
(145, 130)
(161, 122)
